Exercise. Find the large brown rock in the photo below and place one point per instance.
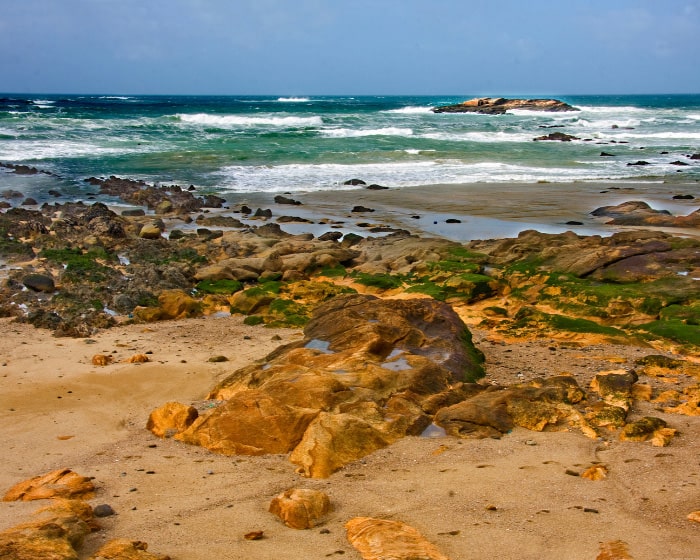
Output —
(496, 410)
(382, 539)
(301, 508)
(61, 483)
(250, 423)
(368, 371)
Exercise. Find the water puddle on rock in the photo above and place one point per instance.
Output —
(320, 345)
(394, 362)
(433, 431)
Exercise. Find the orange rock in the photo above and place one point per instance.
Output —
(137, 359)
(300, 508)
(101, 360)
(595, 472)
(332, 441)
(55, 533)
(250, 423)
(381, 539)
(694, 516)
(171, 418)
(61, 483)
(614, 550)
(122, 549)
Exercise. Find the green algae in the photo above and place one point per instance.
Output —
(224, 286)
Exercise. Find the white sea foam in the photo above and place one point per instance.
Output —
(356, 133)
(496, 136)
(410, 110)
(293, 99)
(234, 121)
(49, 149)
(120, 97)
(311, 177)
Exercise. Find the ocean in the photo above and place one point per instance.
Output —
(235, 144)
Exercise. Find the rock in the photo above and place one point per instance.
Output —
(170, 419)
(330, 236)
(213, 201)
(614, 550)
(137, 359)
(361, 378)
(640, 162)
(615, 388)
(122, 549)
(648, 428)
(279, 199)
(250, 423)
(695, 156)
(683, 197)
(334, 440)
(29, 201)
(595, 472)
(354, 182)
(103, 510)
(39, 283)
(606, 154)
(55, 533)
(150, 231)
(61, 483)
(134, 213)
(102, 360)
(300, 508)
(375, 187)
(640, 213)
(383, 539)
(361, 209)
(496, 410)
(499, 105)
(678, 162)
(557, 136)
(260, 213)
(453, 221)
(694, 515)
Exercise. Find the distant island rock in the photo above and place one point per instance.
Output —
(499, 105)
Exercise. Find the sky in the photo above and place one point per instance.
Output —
(350, 47)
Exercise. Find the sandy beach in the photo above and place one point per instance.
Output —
(511, 498)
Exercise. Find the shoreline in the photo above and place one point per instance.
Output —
(485, 210)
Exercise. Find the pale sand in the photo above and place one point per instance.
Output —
(197, 505)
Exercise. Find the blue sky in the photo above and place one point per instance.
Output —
(304, 47)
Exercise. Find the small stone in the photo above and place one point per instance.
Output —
(253, 536)
(216, 359)
(530, 442)
(103, 510)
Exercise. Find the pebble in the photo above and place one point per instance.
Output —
(103, 510)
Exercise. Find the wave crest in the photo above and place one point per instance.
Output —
(231, 121)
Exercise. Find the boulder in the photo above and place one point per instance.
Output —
(496, 410)
(150, 231)
(300, 508)
(499, 105)
(39, 283)
(279, 199)
(61, 483)
(354, 384)
(615, 388)
(250, 423)
(384, 539)
(171, 418)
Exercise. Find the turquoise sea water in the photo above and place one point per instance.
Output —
(275, 144)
